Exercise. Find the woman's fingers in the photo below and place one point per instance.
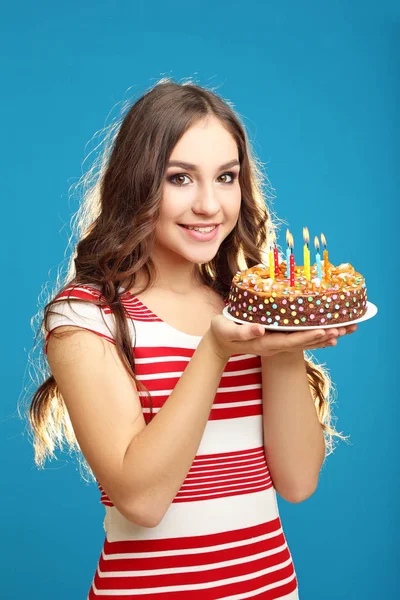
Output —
(332, 336)
(307, 340)
(351, 328)
(326, 337)
(291, 341)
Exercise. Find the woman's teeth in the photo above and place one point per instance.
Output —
(201, 229)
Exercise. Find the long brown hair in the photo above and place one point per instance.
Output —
(115, 226)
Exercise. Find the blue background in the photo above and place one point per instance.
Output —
(317, 85)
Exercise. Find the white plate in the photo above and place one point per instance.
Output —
(371, 312)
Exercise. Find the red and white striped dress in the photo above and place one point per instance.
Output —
(222, 536)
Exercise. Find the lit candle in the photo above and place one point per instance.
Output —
(306, 236)
(326, 262)
(318, 258)
(271, 260)
(288, 253)
(291, 243)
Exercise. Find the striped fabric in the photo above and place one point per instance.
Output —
(222, 536)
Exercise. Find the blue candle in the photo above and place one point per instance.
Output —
(288, 255)
(318, 258)
(288, 263)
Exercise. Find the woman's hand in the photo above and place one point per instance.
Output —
(228, 338)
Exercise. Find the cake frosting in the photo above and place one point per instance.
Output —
(339, 298)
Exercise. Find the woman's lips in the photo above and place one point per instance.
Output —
(201, 237)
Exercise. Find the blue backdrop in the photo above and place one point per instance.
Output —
(317, 85)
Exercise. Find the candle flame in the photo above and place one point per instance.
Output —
(323, 240)
(316, 243)
(288, 236)
(291, 241)
(273, 237)
(306, 235)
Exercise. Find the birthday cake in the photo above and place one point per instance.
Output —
(312, 301)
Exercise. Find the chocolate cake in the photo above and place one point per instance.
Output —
(256, 298)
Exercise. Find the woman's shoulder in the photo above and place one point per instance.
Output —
(80, 305)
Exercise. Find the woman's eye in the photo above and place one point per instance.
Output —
(231, 175)
(173, 178)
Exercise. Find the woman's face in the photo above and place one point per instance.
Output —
(203, 193)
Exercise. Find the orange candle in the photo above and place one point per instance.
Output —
(326, 261)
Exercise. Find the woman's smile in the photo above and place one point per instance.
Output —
(200, 236)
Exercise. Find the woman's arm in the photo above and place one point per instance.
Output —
(293, 437)
(161, 455)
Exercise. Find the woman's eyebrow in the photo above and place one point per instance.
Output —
(189, 166)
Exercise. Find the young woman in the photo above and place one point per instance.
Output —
(188, 422)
